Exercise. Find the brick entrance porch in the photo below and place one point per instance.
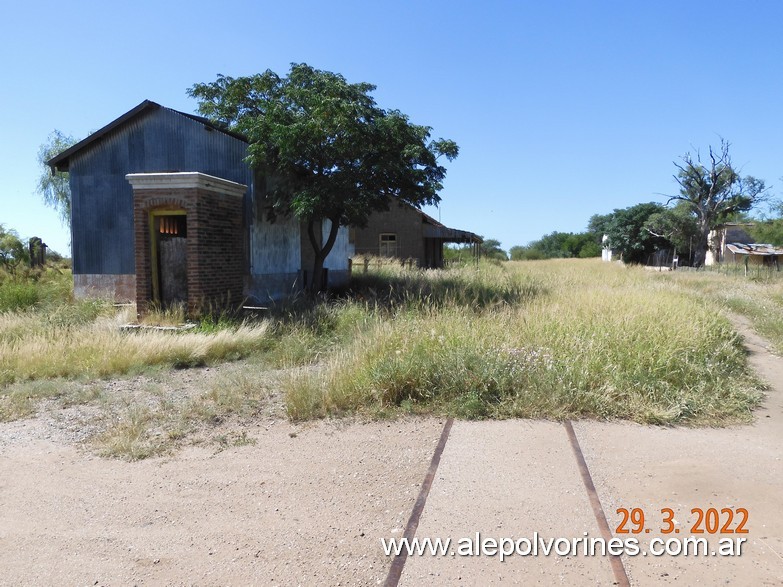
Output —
(211, 222)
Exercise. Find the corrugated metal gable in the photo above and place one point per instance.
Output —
(155, 140)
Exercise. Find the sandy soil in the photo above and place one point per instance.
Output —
(308, 505)
(305, 509)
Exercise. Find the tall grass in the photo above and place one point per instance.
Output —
(760, 298)
(307, 332)
(595, 341)
(33, 348)
(30, 288)
(550, 339)
(475, 288)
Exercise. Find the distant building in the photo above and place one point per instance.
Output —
(407, 233)
(606, 250)
(720, 237)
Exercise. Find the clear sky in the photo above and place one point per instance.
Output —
(561, 109)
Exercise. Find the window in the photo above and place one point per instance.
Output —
(172, 225)
(388, 244)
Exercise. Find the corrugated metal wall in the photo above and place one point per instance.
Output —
(158, 140)
(163, 140)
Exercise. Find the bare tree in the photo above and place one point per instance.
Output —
(714, 190)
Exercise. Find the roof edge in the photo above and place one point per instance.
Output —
(185, 180)
(62, 161)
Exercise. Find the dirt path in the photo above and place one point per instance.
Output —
(309, 505)
(741, 467)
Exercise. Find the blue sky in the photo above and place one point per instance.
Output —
(561, 109)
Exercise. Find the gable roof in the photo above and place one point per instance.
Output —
(61, 162)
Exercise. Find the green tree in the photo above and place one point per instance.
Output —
(53, 186)
(490, 249)
(12, 249)
(769, 230)
(518, 253)
(526, 253)
(626, 231)
(327, 151)
(589, 249)
(713, 190)
(558, 245)
(677, 225)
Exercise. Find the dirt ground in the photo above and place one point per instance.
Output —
(308, 504)
(305, 509)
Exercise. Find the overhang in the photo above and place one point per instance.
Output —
(450, 235)
(185, 180)
(761, 250)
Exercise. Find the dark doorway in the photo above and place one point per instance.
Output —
(170, 257)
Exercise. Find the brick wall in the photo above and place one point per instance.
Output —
(215, 251)
(403, 221)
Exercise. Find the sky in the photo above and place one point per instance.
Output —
(561, 110)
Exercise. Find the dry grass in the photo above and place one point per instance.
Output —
(33, 348)
(759, 297)
(140, 430)
(548, 339)
(601, 342)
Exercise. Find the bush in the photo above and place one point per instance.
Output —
(18, 296)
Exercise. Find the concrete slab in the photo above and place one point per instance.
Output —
(507, 479)
(301, 506)
(653, 468)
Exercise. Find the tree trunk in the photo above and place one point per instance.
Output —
(315, 285)
(702, 245)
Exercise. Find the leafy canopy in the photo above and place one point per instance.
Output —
(491, 249)
(557, 245)
(625, 229)
(677, 225)
(714, 192)
(325, 147)
(12, 249)
(769, 230)
(53, 186)
(713, 189)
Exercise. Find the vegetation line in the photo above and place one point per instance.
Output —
(562, 339)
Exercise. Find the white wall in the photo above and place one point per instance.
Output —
(274, 247)
(337, 260)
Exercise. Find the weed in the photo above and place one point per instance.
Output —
(132, 436)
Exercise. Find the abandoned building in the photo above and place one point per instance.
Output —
(165, 209)
(761, 255)
(407, 233)
(721, 236)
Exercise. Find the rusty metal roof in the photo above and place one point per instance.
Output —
(754, 249)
